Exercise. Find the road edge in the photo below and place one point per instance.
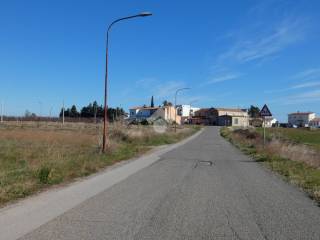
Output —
(22, 217)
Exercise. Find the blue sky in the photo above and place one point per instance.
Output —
(230, 53)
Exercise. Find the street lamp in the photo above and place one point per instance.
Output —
(143, 14)
(175, 105)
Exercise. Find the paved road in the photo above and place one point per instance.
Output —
(179, 197)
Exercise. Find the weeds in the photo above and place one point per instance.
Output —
(298, 163)
(33, 158)
(43, 174)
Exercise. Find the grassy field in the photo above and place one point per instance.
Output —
(290, 154)
(295, 135)
(34, 156)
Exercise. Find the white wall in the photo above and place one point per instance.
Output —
(300, 119)
(184, 110)
(140, 113)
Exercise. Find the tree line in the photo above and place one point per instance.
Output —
(93, 110)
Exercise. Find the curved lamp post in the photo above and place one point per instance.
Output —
(143, 14)
(175, 105)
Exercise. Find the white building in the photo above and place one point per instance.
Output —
(301, 119)
(269, 121)
(315, 123)
(186, 110)
(141, 113)
(150, 113)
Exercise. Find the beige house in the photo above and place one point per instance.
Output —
(168, 113)
(222, 117)
(232, 117)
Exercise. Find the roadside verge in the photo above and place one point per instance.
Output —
(300, 171)
(26, 215)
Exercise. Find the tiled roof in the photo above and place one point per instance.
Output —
(221, 110)
(204, 109)
(230, 109)
(147, 108)
(301, 113)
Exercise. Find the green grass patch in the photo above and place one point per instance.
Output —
(296, 135)
(298, 173)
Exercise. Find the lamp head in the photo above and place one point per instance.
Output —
(145, 14)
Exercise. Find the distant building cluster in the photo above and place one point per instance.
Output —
(186, 114)
(303, 119)
(216, 116)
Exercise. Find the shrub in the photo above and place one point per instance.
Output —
(119, 134)
(43, 174)
(144, 122)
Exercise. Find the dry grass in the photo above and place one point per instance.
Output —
(34, 156)
(296, 152)
(298, 163)
(279, 146)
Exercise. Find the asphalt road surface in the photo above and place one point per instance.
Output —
(184, 196)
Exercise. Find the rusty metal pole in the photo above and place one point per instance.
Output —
(105, 110)
(105, 115)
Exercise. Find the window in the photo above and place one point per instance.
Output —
(235, 121)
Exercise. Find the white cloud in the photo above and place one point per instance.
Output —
(306, 97)
(141, 90)
(167, 89)
(193, 100)
(294, 87)
(309, 74)
(264, 42)
(305, 78)
(306, 85)
(146, 82)
(276, 90)
(158, 88)
(222, 78)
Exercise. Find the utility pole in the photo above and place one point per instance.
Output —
(116, 114)
(63, 112)
(95, 114)
(40, 110)
(50, 113)
(2, 110)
